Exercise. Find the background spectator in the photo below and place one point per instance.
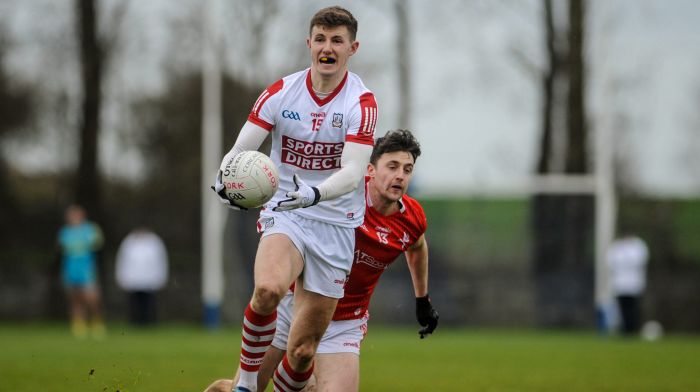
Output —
(79, 240)
(142, 270)
(627, 257)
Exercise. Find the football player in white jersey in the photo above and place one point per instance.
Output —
(394, 224)
(321, 121)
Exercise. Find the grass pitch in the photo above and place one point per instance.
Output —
(187, 358)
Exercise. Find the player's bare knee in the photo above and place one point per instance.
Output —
(302, 354)
(266, 298)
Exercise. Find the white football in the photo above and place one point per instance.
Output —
(250, 179)
(652, 330)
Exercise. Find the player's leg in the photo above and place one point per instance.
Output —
(625, 305)
(636, 314)
(140, 306)
(271, 360)
(312, 313)
(277, 263)
(328, 259)
(91, 295)
(274, 354)
(337, 362)
(337, 372)
(78, 323)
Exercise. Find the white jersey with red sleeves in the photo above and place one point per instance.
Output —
(378, 242)
(308, 136)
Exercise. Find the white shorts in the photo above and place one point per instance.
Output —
(342, 336)
(327, 250)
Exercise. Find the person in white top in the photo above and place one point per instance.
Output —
(322, 122)
(627, 258)
(142, 270)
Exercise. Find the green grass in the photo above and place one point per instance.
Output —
(182, 358)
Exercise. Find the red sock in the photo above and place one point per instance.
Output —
(258, 332)
(287, 380)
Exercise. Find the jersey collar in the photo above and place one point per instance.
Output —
(319, 101)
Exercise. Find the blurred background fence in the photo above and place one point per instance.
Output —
(481, 260)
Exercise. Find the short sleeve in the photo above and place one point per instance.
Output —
(363, 120)
(263, 110)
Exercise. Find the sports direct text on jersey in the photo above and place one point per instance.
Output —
(311, 155)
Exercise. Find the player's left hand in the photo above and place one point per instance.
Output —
(303, 196)
(220, 190)
(427, 316)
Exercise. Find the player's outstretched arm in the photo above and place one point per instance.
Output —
(417, 259)
(250, 138)
(353, 162)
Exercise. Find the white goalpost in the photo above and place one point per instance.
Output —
(605, 220)
(601, 186)
(213, 214)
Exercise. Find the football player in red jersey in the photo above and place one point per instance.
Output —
(394, 224)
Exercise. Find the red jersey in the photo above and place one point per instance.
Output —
(378, 242)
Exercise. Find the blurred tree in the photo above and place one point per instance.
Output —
(576, 123)
(555, 60)
(91, 62)
(15, 111)
(94, 56)
(562, 224)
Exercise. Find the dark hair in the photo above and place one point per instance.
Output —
(333, 17)
(393, 141)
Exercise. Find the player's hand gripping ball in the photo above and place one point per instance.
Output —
(250, 179)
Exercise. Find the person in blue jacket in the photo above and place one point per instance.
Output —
(79, 240)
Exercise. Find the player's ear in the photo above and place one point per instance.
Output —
(308, 42)
(353, 47)
(370, 170)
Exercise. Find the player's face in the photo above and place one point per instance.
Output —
(391, 175)
(330, 49)
(75, 215)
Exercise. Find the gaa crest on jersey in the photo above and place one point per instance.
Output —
(292, 115)
(337, 120)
